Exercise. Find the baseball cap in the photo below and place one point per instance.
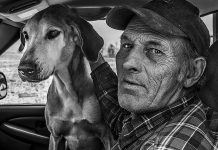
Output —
(173, 17)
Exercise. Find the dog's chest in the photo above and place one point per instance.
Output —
(63, 108)
(65, 114)
(60, 127)
(79, 130)
(72, 107)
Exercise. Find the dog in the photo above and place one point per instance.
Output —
(56, 41)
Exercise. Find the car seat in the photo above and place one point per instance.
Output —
(209, 92)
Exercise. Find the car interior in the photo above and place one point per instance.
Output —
(22, 126)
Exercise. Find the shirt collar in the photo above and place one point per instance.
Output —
(139, 125)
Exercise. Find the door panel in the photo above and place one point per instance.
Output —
(37, 124)
(23, 127)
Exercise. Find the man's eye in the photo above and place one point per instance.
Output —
(52, 34)
(127, 46)
(155, 51)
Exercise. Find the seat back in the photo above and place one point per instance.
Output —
(209, 92)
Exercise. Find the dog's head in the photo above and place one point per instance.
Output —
(49, 40)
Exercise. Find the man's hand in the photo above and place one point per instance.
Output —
(97, 63)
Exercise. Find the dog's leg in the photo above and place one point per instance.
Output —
(105, 135)
(56, 143)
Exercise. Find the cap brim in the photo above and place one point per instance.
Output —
(119, 17)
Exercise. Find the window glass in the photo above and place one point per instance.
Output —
(111, 41)
(208, 20)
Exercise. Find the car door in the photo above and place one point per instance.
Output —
(22, 122)
(22, 127)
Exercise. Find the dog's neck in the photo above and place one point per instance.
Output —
(76, 76)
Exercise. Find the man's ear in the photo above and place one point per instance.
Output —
(193, 76)
(90, 41)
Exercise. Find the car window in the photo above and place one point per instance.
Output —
(20, 92)
(208, 20)
(111, 41)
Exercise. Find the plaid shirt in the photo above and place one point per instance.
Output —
(184, 125)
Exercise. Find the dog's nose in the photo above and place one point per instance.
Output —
(27, 69)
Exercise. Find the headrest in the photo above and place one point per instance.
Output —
(209, 92)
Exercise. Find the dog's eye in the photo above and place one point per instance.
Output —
(25, 35)
(52, 34)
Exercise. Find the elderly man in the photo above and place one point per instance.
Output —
(152, 103)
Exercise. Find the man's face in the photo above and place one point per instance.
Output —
(150, 69)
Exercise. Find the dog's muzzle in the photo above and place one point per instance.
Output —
(29, 72)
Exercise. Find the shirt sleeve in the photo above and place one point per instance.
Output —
(106, 82)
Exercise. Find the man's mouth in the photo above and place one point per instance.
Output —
(130, 82)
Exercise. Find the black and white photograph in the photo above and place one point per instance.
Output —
(108, 74)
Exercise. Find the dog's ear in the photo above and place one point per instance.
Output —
(22, 44)
(90, 41)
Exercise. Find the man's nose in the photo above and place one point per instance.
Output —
(132, 62)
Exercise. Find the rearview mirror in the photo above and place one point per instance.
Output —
(3, 86)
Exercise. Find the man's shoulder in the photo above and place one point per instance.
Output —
(187, 130)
